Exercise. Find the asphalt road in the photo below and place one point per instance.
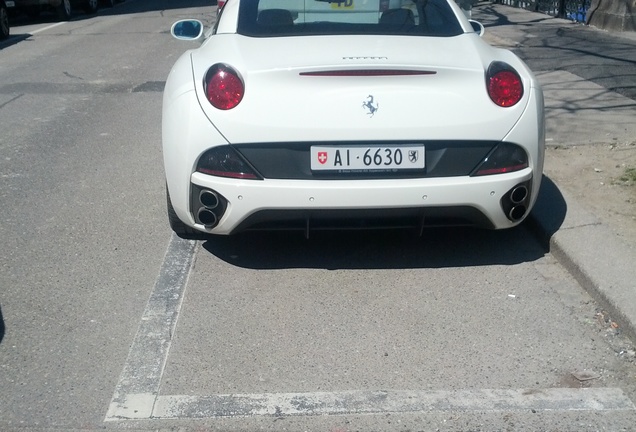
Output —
(110, 322)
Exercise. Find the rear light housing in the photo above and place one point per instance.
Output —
(220, 4)
(223, 87)
(504, 84)
(224, 161)
(504, 158)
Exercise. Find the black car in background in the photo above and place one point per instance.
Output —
(63, 8)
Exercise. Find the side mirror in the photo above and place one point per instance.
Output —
(187, 29)
(478, 27)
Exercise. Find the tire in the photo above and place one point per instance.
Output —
(177, 225)
(109, 3)
(64, 10)
(90, 6)
(4, 23)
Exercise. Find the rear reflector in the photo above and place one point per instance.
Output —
(501, 170)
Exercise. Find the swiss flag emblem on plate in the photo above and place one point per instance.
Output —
(322, 157)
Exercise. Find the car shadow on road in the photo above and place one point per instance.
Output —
(386, 249)
(13, 40)
(548, 213)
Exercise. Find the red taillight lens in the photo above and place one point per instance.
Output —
(504, 85)
(223, 87)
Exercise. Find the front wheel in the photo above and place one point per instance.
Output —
(64, 10)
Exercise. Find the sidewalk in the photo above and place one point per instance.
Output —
(580, 111)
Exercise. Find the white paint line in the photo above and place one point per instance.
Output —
(393, 401)
(140, 379)
(48, 27)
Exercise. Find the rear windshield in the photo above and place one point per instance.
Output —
(271, 18)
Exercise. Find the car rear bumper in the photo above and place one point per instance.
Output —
(300, 204)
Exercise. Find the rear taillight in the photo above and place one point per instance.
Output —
(224, 161)
(224, 88)
(504, 158)
(504, 84)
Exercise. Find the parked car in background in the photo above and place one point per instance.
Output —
(111, 3)
(4, 20)
(63, 8)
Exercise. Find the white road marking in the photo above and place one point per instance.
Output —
(140, 379)
(395, 401)
(146, 406)
(137, 396)
(48, 27)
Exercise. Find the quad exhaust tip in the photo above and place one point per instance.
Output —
(518, 194)
(517, 212)
(207, 218)
(209, 199)
(208, 206)
(514, 203)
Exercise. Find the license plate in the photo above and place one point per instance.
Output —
(368, 158)
(10, 3)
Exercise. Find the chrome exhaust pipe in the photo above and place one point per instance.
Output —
(207, 218)
(209, 199)
(517, 212)
(519, 194)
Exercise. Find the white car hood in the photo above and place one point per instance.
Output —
(281, 105)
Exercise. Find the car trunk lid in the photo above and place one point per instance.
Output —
(355, 88)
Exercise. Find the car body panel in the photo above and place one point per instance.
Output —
(27, 3)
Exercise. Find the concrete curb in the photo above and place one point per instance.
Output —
(601, 262)
(603, 265)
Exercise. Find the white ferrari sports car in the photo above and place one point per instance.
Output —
(344, 114)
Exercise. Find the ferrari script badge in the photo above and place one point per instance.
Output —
(370, 106)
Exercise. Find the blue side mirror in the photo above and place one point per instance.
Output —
(187, 29)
